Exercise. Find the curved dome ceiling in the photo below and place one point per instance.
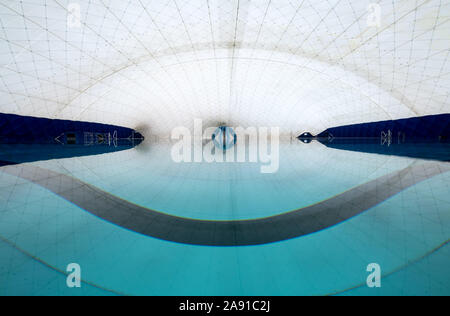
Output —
(300, 65)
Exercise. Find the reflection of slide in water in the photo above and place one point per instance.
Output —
(228, 233)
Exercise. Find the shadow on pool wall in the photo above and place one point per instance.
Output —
(425, 137)
(26, 139)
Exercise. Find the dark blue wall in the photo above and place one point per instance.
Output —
(27, 139)
(15, 129)
(434, 128)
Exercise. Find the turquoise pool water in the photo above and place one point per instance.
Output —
(407, 234)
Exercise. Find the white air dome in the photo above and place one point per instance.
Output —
(299, 65)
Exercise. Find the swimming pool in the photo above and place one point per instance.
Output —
(405, 231)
